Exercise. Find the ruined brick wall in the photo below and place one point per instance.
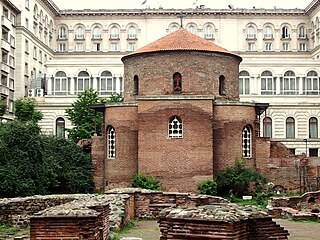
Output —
(120, 170)
(98, 162)
(179, 162)
(200, 73)
(229, 121)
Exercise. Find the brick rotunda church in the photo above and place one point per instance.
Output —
(181, 119)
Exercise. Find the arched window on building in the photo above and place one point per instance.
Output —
(302, 32)
(62, 33)
(132, 33)
(222, 85)
(83, 82)
(311, 84)
(135, 85)
(268, 33)
(313, 127)
(285, 32)
(96, 33)
(251, 32)
(177, 83)
(246, 142)
(114, 33)
(60, 127)
(79, 33)
(290, 127)
(244, 83)
(175, 127)
(60, 84)
(268, 83)
(192, 28)
(35, 12)
(267, 127)
(208, 32)
(106, 84)
(111, 141)
(289, 85)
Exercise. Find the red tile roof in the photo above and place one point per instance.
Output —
(181, 40)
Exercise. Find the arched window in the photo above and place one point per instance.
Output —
(135, 85)
(177, 83)
(60, 127)
(96, 33)
(302, 32)
(111, 141)
(175, 127)
(267, 127)
(208, 32)
(79, 33)
(221, 85)
(268, 33)
(114, 33)
(192, 29)
(285, 32)
(173, 27)
(313, 127)
(83, 82)
(60, 84)
(106, 84)
(246, 142)
(244, 83)
(251, 33)
(311, 84)
(35, 12)
(132, 33)
(62, 33)
(289, 85)
(268, 83)
(290, 127)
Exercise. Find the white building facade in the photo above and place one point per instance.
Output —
(60, 53)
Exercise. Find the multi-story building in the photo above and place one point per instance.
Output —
(60, 53)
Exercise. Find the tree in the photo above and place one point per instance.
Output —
(25, 110)
(84, 118)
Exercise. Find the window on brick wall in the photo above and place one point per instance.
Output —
(111, 135)
(221, 85)
(177, 83)
(135, 85)
(246, 142)
(175, 127)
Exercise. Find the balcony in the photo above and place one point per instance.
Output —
(5, 67)
(5, 22)
(5, 45)
(4, 90)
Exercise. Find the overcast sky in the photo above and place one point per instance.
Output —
(214, 4)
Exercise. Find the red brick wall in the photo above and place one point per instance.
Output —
(200, 73)
(119, 171)
(179, 163)
(98, 162)
(229, 121)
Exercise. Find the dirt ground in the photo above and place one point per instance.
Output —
(149, 230)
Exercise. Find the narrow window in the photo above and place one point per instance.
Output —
(267, 127)
(111, 142)
(246, 142)
(244, 83)
(136, 85)
(313, 127)
(106, 85)
(60, 127)
(221, 85)
(177, 83)
(175, 127)
(268, 83)
(290, 133)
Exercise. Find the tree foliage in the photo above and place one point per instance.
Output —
(25, 110)
(146, 182)
(237, 179)
(208, 187)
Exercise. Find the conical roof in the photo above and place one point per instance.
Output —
(181, 40)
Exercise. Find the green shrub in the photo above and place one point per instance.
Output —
(208, 187)
(146, 182)
(237, 180)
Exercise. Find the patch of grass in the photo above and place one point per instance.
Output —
(116, 234)
(8, 230)
(316, 221)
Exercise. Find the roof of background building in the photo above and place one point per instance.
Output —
(181, 40)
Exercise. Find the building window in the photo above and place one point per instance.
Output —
(62, 47)
(175, 127)
(268, 83)
(251, 46)
(251, 33)
(292, 150)
(79, 33)
(132, 33)
(60, 84)
(79, 47)
(27, 4)
(111, 134)
(131, 47)
(83, 82)
(222, 85)
(246, 142)
(311, 84)
(177, 83)
(285, 47)
(285, 34)
(96, 47)
(302, 47)
(35, 12)
(244, 83)
(290, 127)
(96, 33)
(302, 32)
(27, 23)
(267, 127)
(62, 33)
(313, 127)
(289, 85)
(268, 47)
(114, 33)
(114, 47)
(173, 28)
(135, 85)
(34, 52)
(208, 32)
(268, 33)
(106, 83)
(60, 127)
(192, 29)
(313, 152)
